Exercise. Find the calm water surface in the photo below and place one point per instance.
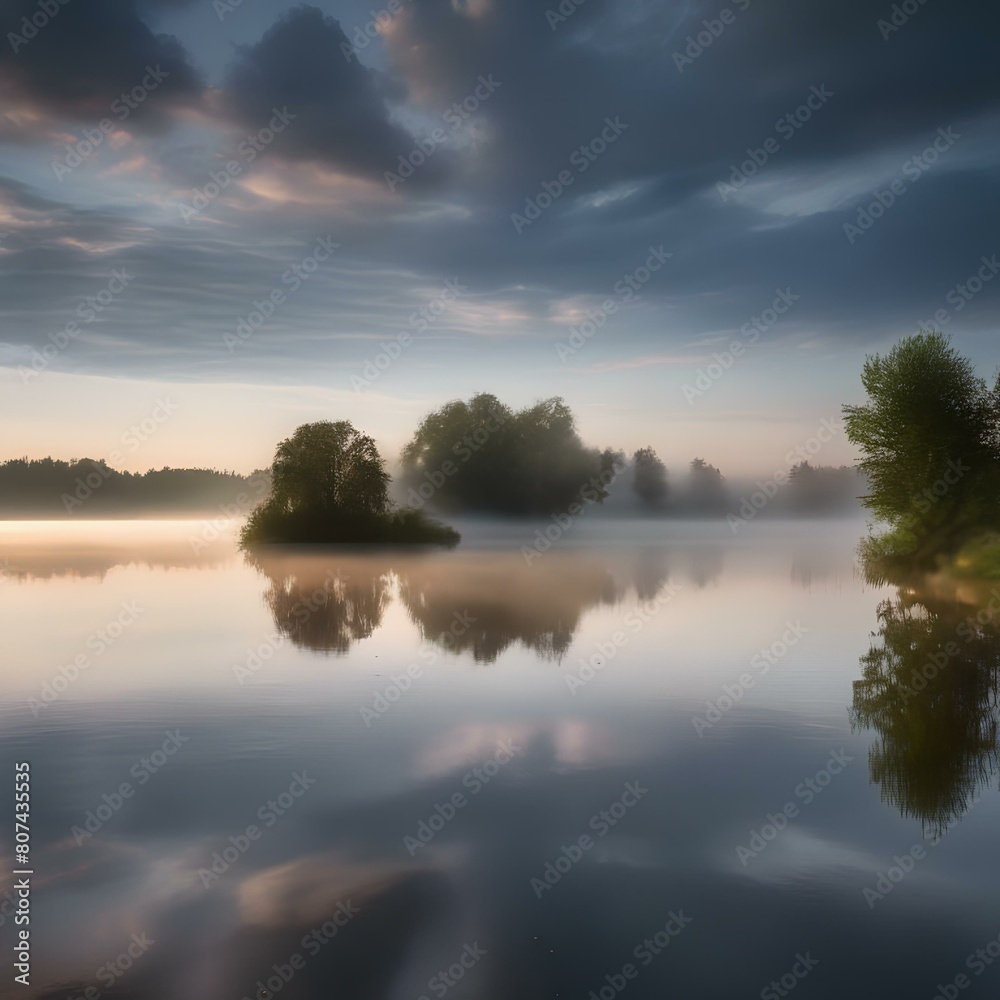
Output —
(657, 761)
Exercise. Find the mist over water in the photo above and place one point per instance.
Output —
(662, 690)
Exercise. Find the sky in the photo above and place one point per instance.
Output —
(220, 220)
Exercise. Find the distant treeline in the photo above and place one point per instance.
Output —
(87, 487)
(478, 457)
(803, 490)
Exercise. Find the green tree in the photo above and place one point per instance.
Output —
(481, 455)
(927, 435)
(329, 484)
(649, 478)
(331, 467)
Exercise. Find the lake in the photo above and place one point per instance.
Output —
(656, 759)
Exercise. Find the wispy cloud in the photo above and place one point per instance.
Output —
(649, 362)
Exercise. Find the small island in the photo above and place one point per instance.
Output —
(329, 485)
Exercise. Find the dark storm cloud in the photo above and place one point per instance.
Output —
(75, 62)
(341, 114)
(688, 123)
(690, 120)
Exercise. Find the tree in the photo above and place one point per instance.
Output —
(649, 478)
(330, 467)
(927, 433)
(329, 484)
(822, 489)
(707, 487)
(481, 455)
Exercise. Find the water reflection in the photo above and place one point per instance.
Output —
(324, 603)
(345, 841)
(43, 551)
(929, 689)
(539, 606)
(328, 602)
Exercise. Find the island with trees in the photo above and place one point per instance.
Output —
(329, 484)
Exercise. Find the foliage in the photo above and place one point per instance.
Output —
(814, 489)
(979, 558)
(927, 433)
(481, 455)
(649, 478)
(329, 484)
(50, 487)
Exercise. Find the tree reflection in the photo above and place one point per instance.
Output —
(480, 603)
(539, 606)
(324, 603)
(929, 689)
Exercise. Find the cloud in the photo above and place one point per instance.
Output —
(341, 111)
(656, 184)
(649, 362)
(85, 56)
